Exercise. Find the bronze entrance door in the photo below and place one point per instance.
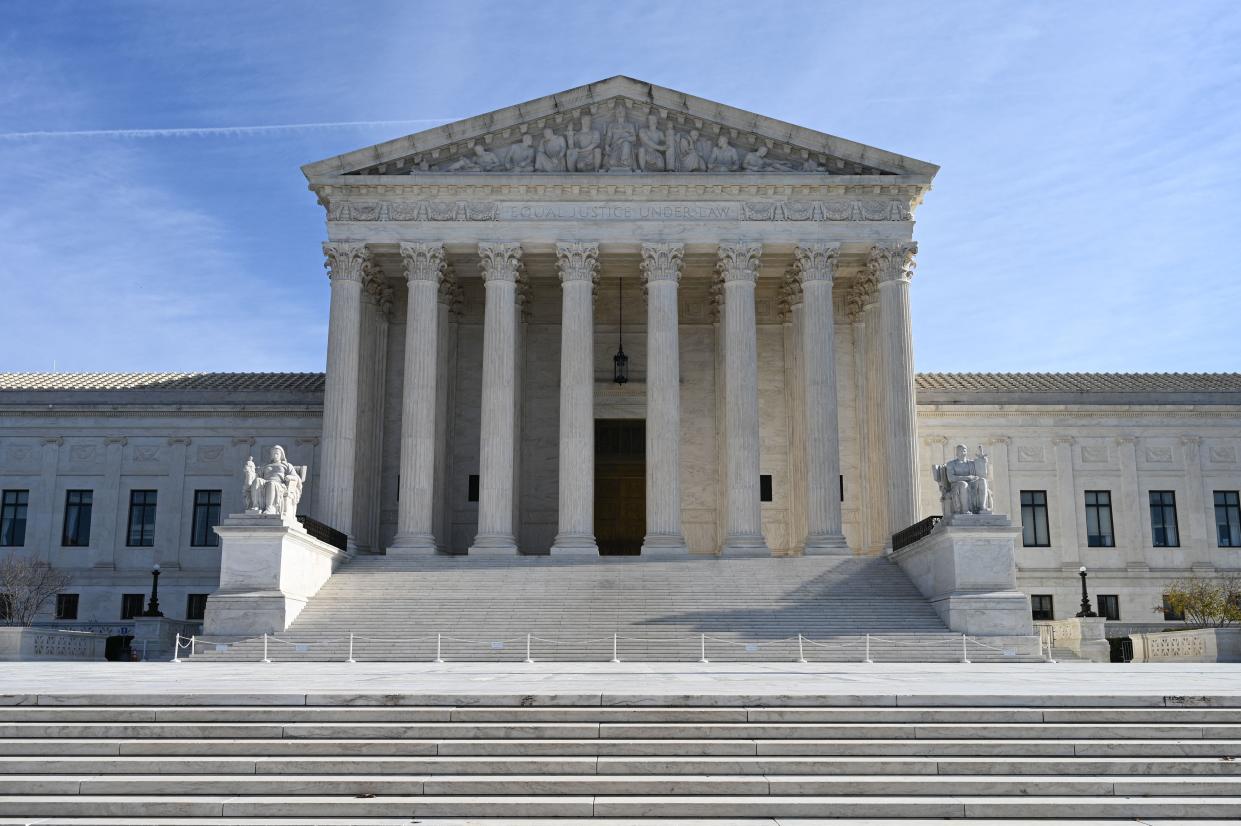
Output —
(620, 485)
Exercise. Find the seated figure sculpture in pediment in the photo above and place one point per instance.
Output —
(483, 160)
(584, 148)
(551, 154)
(521, 155)
(964, 483)
(723, 157)
(653, 146)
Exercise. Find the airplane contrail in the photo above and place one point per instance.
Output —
(206, 131)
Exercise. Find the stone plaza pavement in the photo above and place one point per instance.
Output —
(627, 683)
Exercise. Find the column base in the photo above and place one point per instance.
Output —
(575, 544)
(745, 545)
(494, 544)
(826, 545)
(413, 544)
(664, 544)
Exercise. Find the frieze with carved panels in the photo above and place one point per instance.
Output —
(857, 209)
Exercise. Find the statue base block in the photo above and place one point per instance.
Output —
(967, 568)
(268, 571)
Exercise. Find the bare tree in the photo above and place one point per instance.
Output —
(26, 587)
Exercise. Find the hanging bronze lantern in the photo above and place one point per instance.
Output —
(620, 361)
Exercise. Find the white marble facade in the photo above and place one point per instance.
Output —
(764, 274)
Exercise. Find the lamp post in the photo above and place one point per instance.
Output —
(153, 606)
(1086, 611)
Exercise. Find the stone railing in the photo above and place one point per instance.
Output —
(18, 643)
(1194, 645)
(1084, 636)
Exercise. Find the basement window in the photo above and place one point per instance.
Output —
(472, 493)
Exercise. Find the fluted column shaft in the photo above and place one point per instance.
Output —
(346, 264)
(500, 265)
(739, 265)
(415, 524)
(893, 268)
(661, 273)
(874, 458)
(444, 398)
(816, 267)
(579, 264)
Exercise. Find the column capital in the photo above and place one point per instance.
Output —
(423, 261)
(1126, 440)
(816, 261)
(1000, 440)
(577, 261)
(501, 261)
(662, 262)
(892, 263)
(345, 260)
(1062, 440)
(739, 260)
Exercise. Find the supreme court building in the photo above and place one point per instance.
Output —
(493, 280)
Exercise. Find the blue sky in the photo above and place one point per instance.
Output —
(1084, 217)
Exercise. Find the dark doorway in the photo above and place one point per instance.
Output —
(620, 486)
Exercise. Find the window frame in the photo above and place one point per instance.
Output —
(1232, 517)
(201, 513)
(1036, 610)
(81, 526)
(1114, 601)
(190, 600)
(1036, 509)
(14, 516)
(1098, 510)
(127, 602)
(1164, 509)
(143, 540)
(63, 600)
(1170, 615)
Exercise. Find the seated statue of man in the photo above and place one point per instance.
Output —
(964, 483)
(276, 488)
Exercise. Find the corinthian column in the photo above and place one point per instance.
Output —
(579, 264)
(892, 266)
(816, 269)
(415, 521)
(738, 266)
(661, 273)
(346, 264)
(500, 265)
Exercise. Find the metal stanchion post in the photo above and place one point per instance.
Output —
(265, 659)
(615, 656)
(704, 649)
(350, 648)
(801, 651)
(176, 652)
(965, 653)
(528, 659)
(438, 640)
(868, 659)
(193, 640)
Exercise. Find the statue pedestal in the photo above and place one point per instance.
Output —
(268, 571)
(967, 568)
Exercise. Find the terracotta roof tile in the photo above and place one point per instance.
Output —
(246, 382)
(1080, 382)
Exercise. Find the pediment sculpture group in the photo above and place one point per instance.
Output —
(619, 145)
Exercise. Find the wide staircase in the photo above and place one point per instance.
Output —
(817, 609)
(354, 759)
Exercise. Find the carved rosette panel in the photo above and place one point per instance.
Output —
(817, 261)
(578, 261)
(892, 262)
(423, 262)
(738, 261)
(345, 261)
(662, 262)
(501, 261)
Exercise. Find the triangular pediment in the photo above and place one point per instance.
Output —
(619, 126)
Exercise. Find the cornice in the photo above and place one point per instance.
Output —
(573, 188)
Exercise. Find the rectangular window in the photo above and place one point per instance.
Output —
(1227, 519)
(206, 517)
(472, 494)
(1041, 607)
(1170, 613)
(13, 505)
(66, 606)
(141, 519)
(1034, 531)
(764, 487)
(195, 606)
(76, 532)
(1163, 519)
(1099, 532)
(131, 605)
(1109, 606)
